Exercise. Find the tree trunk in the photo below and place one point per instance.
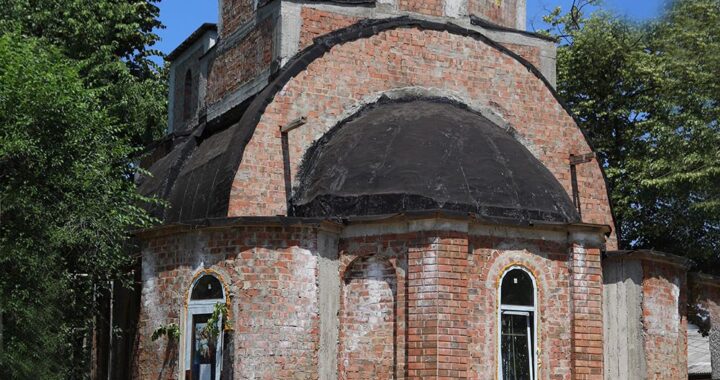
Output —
(1, 331)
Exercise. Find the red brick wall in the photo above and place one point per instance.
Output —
(530, 53)
(234, 13)
(241, 63)
(426, 7)
(334, 84)
(586, 289)
(438, 307)
(548, 261)
(665, 320)
(502, 12)
(367, 331)
(435, 264)
(316, 23)
(452, 301)
(413, 305)
(265, 267)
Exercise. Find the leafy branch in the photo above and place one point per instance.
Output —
(212, 328)
(172, 331)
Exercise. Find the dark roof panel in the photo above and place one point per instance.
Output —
(426, 154)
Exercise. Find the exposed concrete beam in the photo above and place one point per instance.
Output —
(329, 295)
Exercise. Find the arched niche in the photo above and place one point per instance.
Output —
(368, 336)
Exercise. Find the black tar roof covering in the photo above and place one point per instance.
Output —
(429, 154)
(196, 178)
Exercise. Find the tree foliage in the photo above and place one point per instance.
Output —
(79, 97)
(111, 40)
(649, 96)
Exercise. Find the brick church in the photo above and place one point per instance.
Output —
(391, 189)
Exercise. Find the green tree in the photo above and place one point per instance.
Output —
(67, 203)
(79, 98)
(112, 42)
(648, 95)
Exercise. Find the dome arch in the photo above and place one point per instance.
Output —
(205, 178)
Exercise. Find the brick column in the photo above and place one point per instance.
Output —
(438, 307)
(587, 327)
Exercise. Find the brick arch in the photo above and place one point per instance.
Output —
(368, 335)
(218, 273)
(461, 61)
(523, 259)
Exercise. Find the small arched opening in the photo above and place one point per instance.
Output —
(517, 321)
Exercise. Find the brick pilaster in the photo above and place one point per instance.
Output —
(587, 327)
(438, 308)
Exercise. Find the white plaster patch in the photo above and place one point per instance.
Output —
(455, 8)
(663, 320)
(587, 238)
(151, 299)
(377, 291)
(290, 22)
(675, 291)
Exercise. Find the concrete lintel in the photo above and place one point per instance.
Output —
(403, 227)
(248, 221)
(515, 232)
(652, 256)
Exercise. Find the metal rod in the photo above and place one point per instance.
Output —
(110, 328)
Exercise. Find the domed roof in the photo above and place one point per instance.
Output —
(417, 155)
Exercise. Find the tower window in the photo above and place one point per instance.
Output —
(187, 96)
(517, 320)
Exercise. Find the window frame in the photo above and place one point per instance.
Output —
(200, 307)
(518, 310)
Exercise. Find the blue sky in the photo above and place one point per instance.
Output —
(182, 17)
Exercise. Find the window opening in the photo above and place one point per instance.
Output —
(517, 326)
(203, 353)
(187, 96)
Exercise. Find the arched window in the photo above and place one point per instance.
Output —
(517, 321)
(203, 350)
(187, 96)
